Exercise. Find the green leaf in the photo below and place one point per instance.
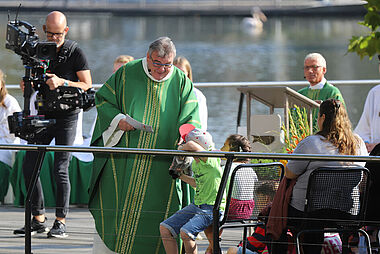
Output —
(363, 44)
(368, 44)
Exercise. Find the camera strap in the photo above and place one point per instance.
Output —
(67, 49)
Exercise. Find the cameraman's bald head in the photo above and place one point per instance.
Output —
(56, 17)
(56, 27)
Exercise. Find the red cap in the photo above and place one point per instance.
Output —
(185, 129)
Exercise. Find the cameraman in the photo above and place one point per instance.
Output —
(69, 69)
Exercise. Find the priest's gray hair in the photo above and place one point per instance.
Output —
(164, 46)
(321, 60)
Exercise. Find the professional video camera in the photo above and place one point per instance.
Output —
(26, 44)
(22, 39)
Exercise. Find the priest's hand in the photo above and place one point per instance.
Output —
(125, 126)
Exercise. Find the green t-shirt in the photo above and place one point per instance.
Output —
(208, 176)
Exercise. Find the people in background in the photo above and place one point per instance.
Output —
(184, 65)
(120, 61)
(319, 90)
(70, 68)
(8, 105)
(368, 126)
(368, 129)
(126, 188)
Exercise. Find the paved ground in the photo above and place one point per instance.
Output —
(80, 228)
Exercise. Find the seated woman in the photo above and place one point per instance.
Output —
(334, 138)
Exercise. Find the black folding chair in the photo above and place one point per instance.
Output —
(270, 173)
(337, 199)
(373, 207)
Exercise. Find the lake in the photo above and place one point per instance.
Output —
(219, 50)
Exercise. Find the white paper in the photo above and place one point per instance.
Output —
(137, 125)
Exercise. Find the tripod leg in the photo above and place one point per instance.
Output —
(28, 202)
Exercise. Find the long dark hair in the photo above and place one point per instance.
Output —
(337, 128)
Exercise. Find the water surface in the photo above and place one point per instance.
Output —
(219, 51)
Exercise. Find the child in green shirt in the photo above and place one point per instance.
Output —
(196, 217)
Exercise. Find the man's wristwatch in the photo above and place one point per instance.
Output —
(66, 83)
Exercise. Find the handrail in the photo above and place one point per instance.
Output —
(229, 155)
(259, 83)
(280, 156)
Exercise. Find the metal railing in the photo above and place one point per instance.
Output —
(260, 83)
(230, 156)
(234, 155)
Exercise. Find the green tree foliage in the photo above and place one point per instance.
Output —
(368, 45)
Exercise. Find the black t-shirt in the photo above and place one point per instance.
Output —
(67, 70)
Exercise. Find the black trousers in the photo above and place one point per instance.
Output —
(63, 131)
(296, 223)
(311, 242)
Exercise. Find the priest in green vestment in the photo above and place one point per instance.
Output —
(131, 194)
(319, 90)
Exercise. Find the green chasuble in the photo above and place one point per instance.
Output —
(327, 92)
(131, 194)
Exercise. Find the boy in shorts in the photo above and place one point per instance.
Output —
(196, 217)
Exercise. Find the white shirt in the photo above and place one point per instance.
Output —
(5, 136)
(203, 114)
(320, 85)
(368, 127)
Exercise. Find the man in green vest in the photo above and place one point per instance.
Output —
(142, 105)
(319, 90)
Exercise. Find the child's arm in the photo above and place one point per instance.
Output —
(188, 179)
(192, 146)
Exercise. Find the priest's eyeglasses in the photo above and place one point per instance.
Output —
(313, 67)
(158, 64)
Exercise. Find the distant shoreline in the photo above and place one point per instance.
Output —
(183, 10)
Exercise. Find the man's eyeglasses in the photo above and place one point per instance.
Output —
(158, 64)
(313, 67)
(50, 34)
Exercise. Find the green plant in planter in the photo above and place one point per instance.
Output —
(298, 128)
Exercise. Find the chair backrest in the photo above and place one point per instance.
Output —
(244, 182)
(342, 189)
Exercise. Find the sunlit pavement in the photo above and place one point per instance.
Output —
(81, 230)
